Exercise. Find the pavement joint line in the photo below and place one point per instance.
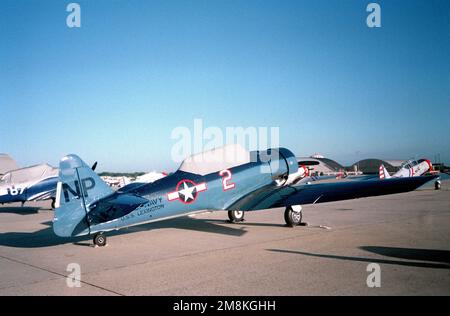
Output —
(30, 283)
(58, 274)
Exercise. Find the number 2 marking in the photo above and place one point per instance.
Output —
(226, 176)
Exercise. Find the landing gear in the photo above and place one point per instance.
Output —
(236, 216)
(437, 185)
(23, 203)
(53, 203)
(100, 239)
(293, 215)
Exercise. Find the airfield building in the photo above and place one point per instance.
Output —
(7, 164)
(320, 165)
(369, 166)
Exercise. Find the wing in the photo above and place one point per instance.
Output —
(47, 195)
(268, 197)
(314, 179)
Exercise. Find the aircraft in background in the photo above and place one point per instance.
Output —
(303, 176)
(150, 177)
(119, 182)
(251, 181)
(410, 168)
(33, 183)
(302, 173)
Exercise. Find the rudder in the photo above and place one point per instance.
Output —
(78, 187)
(384, 174)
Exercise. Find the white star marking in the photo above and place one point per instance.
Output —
(187, 192)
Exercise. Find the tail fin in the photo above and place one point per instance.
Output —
(384, 174)
(78, 187)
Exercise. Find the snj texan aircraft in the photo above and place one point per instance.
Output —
(224, 179)
(33, 183)
(410, 168)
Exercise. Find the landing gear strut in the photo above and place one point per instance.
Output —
(293, 215)
(236, 216)
(99, 239)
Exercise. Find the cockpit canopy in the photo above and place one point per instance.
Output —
(217, 159)
(411, 163)
(29, 174)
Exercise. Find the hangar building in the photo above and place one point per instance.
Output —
(321, 166)
(372, 165)
(7, 164)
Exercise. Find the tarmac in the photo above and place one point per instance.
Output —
(407, 235)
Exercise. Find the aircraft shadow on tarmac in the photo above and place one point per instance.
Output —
(436, 259)
(46, 238)
(26, 210)
(245, 223)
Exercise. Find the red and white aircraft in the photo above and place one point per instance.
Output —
(410, 168)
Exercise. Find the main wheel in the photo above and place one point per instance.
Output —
(437, 185)
(100, 239)
(236, 216)
(293, 216)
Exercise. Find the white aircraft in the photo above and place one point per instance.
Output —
(150, 177)
(410, 168)
(303, 175)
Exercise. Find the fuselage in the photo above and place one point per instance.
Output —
(178, 194)
(27, 191)
(414, 168)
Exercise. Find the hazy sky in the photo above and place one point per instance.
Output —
(114, 89)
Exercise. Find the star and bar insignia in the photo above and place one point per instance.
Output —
(186, 191)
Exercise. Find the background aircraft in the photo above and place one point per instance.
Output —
(29, 184)
(410, 168)
(251, 181)
(118, 182)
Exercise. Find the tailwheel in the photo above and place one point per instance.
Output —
(293, 215)
(236, 216)
(100, 239)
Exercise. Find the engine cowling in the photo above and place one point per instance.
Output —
(281, 161)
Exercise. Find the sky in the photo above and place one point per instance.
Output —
(114, 90)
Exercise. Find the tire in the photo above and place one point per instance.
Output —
(236, 216)
(292, 218)
(437, 185)
(99, 239)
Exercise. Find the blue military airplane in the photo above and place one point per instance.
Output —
(211, 181)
